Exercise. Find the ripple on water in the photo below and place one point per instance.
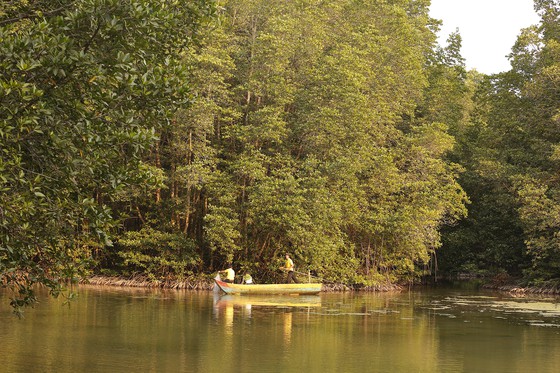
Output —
(543, 308)
(543, 312)
(545, 325)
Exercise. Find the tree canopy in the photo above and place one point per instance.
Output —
(166, 138)
(84, 88)
(511, 157)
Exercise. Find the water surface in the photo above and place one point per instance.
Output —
(132, 330)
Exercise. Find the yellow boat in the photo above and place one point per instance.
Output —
(303, 288)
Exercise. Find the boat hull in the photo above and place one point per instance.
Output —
(307, 288)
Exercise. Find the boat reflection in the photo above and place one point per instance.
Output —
(287, 328)
(248, 301)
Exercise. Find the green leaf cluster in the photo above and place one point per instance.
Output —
(169, 137)
(84, 87)
(306, 135)
(510, 152)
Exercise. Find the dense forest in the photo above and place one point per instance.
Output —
(165, 138)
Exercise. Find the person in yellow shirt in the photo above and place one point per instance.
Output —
(229, 274)
(289, 268)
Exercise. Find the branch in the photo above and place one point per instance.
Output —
(34, 15)
(88, 44)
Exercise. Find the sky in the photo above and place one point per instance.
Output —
(488, 29)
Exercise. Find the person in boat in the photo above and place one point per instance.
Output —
(247, 279)
(289, 268)
(229, 274)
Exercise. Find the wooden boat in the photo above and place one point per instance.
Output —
(303, 288)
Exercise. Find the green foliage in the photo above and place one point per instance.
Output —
(510, 154)
(159, 255)
(539, 213)
(84, 87)
(302, 138)
(325, 129)
(312, 158)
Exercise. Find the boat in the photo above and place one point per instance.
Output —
(302, 288)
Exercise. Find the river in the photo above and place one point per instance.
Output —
(136, 330)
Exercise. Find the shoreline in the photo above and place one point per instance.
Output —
(208, 284)
(145, 282)
(519, 290)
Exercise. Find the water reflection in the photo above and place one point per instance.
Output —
(535, 311)
(268, 300)
(287, 328)
(243, 307)
(121, 330)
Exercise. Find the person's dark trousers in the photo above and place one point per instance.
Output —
(292, 277)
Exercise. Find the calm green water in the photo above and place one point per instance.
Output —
(118, 330)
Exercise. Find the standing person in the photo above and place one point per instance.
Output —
(229, 273)
(289, 267)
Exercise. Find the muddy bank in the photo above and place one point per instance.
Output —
(507, 284)
(146, 282)
(207, 284)
(520, 290)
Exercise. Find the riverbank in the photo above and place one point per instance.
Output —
(506, 284)
(208, 284)
(517, 286)
(528, 290)
(146, 282)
